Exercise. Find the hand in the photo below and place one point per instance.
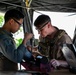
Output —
(35, 48)
(27, 36)
(35, 51)
(55, 63)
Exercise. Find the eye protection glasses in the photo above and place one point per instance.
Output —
(42, 26)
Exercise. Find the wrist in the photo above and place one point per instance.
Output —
(63, 63)
(24, 42)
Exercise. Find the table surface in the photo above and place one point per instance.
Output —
(55, 72)
(61, 72)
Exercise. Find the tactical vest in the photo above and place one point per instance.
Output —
(45, 45)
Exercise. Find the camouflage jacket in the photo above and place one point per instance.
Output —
(51, 47)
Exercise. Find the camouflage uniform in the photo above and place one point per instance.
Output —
(51, 47)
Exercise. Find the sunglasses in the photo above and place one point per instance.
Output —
(17, 22)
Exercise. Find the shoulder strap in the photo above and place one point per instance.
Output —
(59, 36)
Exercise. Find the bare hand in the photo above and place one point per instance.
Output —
(55, 63)
(27, 36)
(34, 50)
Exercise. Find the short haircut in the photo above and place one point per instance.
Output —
(41, 21)
(13, 13)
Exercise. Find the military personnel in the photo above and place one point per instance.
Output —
(51, 38)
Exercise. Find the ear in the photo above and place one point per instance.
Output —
(11, 21)
(49, 24)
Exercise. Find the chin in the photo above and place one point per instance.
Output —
(13, 31)
(43, 36)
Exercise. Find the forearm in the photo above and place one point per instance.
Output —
(63, 63)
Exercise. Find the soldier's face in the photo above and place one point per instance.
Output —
(44, 31)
